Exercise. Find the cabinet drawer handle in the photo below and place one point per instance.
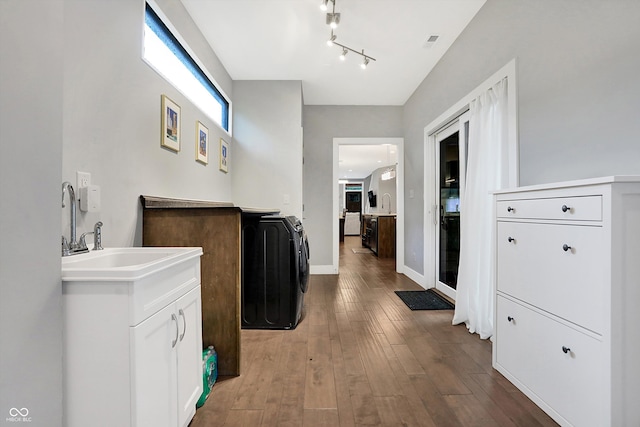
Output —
(566, 247)
(175, 341)
(510, 209)
(565, 208)
(510, 319)
(511, 239)
(184, 322)
(565, 350)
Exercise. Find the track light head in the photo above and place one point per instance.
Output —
(364, 63)
(343, 55)
(333, 19)
(323, 5)
(331, 40)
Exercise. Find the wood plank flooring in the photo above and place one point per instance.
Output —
(361, 357)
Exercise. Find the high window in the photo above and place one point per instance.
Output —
(174, 61)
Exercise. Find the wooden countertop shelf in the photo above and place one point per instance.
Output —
(216, 227)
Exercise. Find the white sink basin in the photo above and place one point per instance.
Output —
(123, 263)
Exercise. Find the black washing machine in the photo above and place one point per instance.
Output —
(275, 271)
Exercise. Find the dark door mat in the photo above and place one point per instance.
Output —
(424, 300)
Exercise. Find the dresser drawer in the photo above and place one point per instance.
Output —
(587, 208)
(531, 347)
(533, 266)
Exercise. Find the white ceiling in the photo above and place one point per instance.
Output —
(358, 161)
(286, 40)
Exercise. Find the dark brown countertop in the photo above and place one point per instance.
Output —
(155, 202)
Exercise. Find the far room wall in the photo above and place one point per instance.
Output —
(321, 125)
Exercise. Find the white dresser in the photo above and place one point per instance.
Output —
(567, 325)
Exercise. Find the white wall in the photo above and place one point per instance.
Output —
(266, 154)
(321, 125)
(379, 188)
(112, 117)
(577, 87)
(31, 55)
(76, 95)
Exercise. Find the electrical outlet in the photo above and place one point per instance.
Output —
(83, 179)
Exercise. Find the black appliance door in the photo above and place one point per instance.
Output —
(303, 262)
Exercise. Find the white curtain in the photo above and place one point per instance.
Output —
(487, 170)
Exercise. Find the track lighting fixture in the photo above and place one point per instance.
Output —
(333, 19)
(347, 49)
(324, 5)
(332, 39)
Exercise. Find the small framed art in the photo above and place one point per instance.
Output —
(202, 143)
(170, 124)
(224, 155)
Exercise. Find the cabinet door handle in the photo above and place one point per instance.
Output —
(184, 322)
(565, 208)
(511, 239)
(175, 341)
(510, 209)
(566, 247)
(565, 350)
(510, 319)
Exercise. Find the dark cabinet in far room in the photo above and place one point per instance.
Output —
(379, 234)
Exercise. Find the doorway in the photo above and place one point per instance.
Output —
(432, 197)
(450, 157)
(399, 182)
(353, 197)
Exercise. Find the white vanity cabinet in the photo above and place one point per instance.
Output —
(168, 383)
(133, 348)
(567, 321)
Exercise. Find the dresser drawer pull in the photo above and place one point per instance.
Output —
(510, 319)
(566, 247)
(511, 239)
(565, 350)
(565, 208)
(510, 209)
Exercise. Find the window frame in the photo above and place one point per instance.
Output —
(194, 63)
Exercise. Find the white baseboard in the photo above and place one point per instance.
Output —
(415, 276)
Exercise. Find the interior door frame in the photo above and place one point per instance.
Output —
(508, 71)
(399, 143)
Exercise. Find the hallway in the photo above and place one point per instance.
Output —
(360, 357)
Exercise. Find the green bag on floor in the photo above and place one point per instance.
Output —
(209, 373)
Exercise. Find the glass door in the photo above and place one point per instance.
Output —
(451, 148)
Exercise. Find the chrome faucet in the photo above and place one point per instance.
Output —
(97, 236)
(66, 186)
(389, 206)
(71, 247)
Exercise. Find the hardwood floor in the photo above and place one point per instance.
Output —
(361, 357)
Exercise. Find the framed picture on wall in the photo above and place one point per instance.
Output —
(202, 143)
(170, 121)
(224, 155)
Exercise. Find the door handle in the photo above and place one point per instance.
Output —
(175, 341)
(184, 322)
